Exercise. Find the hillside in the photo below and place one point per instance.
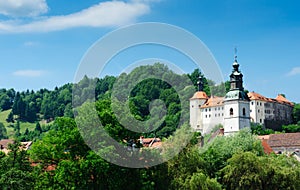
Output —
(9, 126)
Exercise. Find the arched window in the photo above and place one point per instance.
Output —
(231, 111)
(244, 111)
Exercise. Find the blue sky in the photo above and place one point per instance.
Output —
(43, 41)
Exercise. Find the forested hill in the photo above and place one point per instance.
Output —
(59, 158)
(46, 105)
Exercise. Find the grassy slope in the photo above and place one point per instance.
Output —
(10, 130)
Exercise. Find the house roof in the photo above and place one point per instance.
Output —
(282, 99)
(151, 142)
(5, 142)
(266, 146)
(279, 98)
(284, 140)
(199, 95)
(213, 101)
(256, 96)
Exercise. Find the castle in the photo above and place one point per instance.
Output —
(237, 109)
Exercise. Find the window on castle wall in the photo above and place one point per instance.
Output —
(244, 111)
(231, 111)
(252, 103)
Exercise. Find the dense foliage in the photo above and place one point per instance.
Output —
(60, 159)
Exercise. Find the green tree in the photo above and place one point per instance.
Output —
(15, 169)
(3, 132)
(246, 170)
(5, 102)
(10, 117)
(17, 129)
(38, 127)
(221, 149)
(296, 113)
(202, 182)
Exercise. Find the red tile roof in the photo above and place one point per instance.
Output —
(151, 142)
(266, 146)
(279, 98)
(199, 95)
(256, 96)
(213, 101)
(282, 99)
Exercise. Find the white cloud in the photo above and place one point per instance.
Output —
(30, 44)
(29, 73)
(294, 71)
(23, 8)
(105, 14)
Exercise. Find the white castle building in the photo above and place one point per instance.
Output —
(237, 109)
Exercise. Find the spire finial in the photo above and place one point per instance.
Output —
(235, 54)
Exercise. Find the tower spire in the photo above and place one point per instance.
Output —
(235, 54)
(200, 83)
(236, 77)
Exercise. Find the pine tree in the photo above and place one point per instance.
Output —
(10, 117)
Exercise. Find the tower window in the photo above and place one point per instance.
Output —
(244, 111)
(231, 111)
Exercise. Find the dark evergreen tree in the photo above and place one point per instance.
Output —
(10, 117)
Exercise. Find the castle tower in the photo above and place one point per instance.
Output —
(198, 99)
(236, 103)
